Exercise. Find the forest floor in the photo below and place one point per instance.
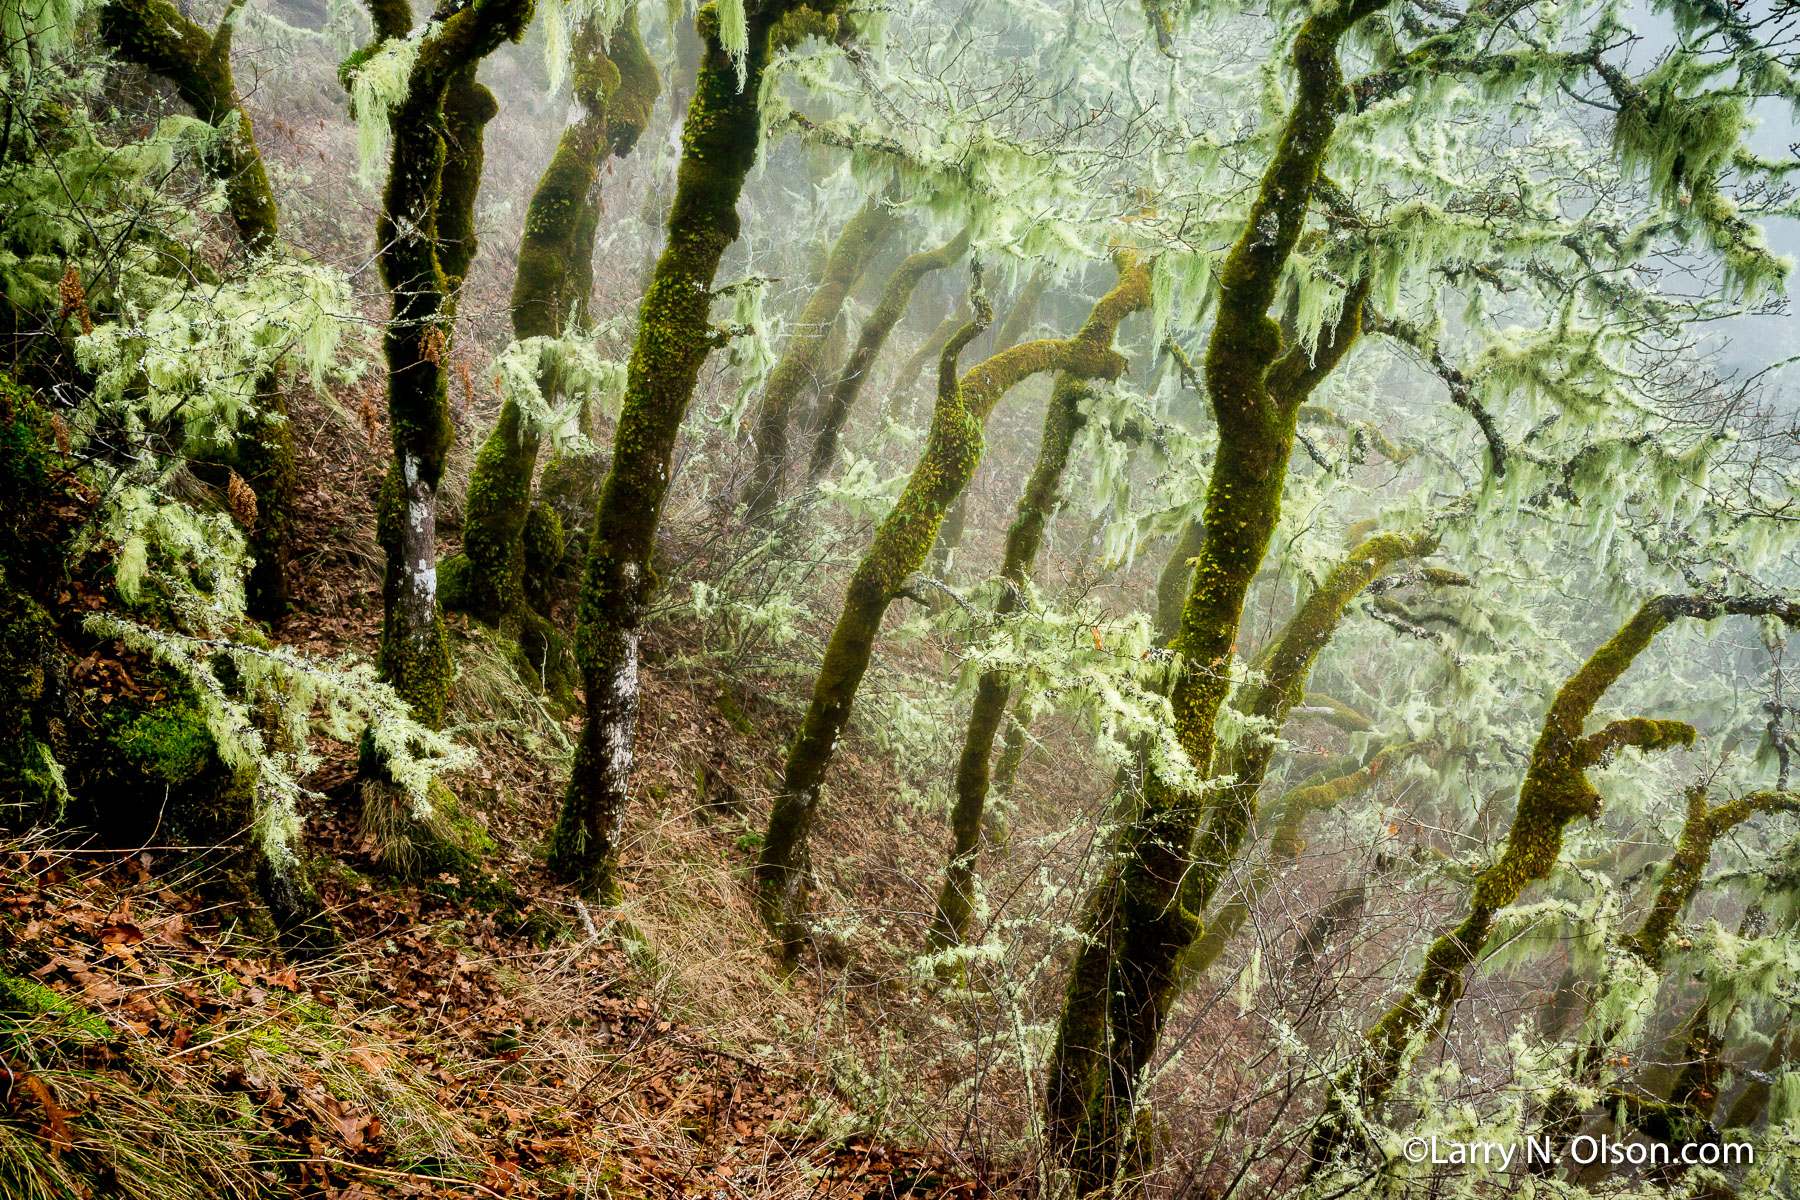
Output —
(450, 1046)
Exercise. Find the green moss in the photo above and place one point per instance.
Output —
(1555, 792)
(454, 583)
(170, 743)
(155, 35)
(902, 541)
(468, 107)
(510, 561)
(421, 262)
(1255, 387)
(25, 1004)
(901, 545)
(491, 584)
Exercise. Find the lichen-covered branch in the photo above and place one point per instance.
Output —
(1555, 792)
(1700, 832)
(896, 294)
(1139, 1003)
(156, 36)
(1018, 321)
(719, 140)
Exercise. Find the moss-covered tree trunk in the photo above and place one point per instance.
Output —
(1255, 385)
(896, 294)
(1063, 420)
(155, 35)
(614, 88)
(674, 337)
(1556, 791)
(802, 358)
(902, 542)
(417, 269)
(1100, 1060)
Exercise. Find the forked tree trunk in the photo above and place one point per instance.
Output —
(896, 294)
(803, 357)
(901, 544)
(1063, 420)
(1099, 1060)
(1255, 386)
(719, 141)
(428, 183)
(615, 90)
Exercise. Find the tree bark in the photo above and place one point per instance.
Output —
(1255, 390)
(416, 266)
(901, 544)
(615, 93)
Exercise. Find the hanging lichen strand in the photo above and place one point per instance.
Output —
(803, 358)
(1063, 420)
(414, 654)
(1255, 386)
(156, 36)
(900, 546)
(719, 141)
(896, 294)
(1556, 791)
(614, 85)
